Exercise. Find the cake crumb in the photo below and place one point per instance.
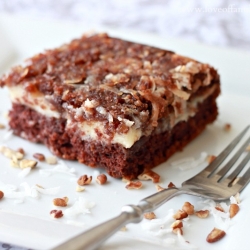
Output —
(210, 158)
(1, 194)
(159, 188)
(2, 126)
(171, 184)
(123, 229)
(79, 188)
(125, 180)
(227, 127)
(149, 216)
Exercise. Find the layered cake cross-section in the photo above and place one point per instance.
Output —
(112, 103)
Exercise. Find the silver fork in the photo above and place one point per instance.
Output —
(207, 184)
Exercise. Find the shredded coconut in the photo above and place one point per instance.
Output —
(222, 219)
(182, 161)
(189, 163)
(24, 172)
(61, 167)
(12, 192)
(101, 110)
(158, 224)
(7, 187)
(224, 206)
(29, 191)
(90, 103)
(110, 117)
(233, 200)
(49, 191)
(7, 136)
(81, 206)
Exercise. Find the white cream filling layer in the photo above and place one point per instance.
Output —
(35, 101)
(92, 130)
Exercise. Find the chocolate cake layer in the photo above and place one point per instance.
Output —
(112, 103)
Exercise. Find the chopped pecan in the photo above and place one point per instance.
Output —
(79, 188)
(149, 175)
(9, 153)
(52, 160)
(227, 127)
(84, 180)
(1, 194)
(125, 180)
(211, 158)
(150, 216)
(180, 214)
(233, 210)
(177, 224)
(123, 229)
(134, 185)
(26, 163)
(188, 208)
(101, 179)
(2, 126)
(14, 163)
(171, 184)
(215, 235)
(39, 156)
(202, 213)
(21, 150)
(61, 202)
(56, 214)
(159, 188)
(219, 208)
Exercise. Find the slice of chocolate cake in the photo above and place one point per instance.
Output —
(111, 103)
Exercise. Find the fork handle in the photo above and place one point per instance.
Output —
(93, 238)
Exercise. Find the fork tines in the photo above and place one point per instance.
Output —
(211, 169)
